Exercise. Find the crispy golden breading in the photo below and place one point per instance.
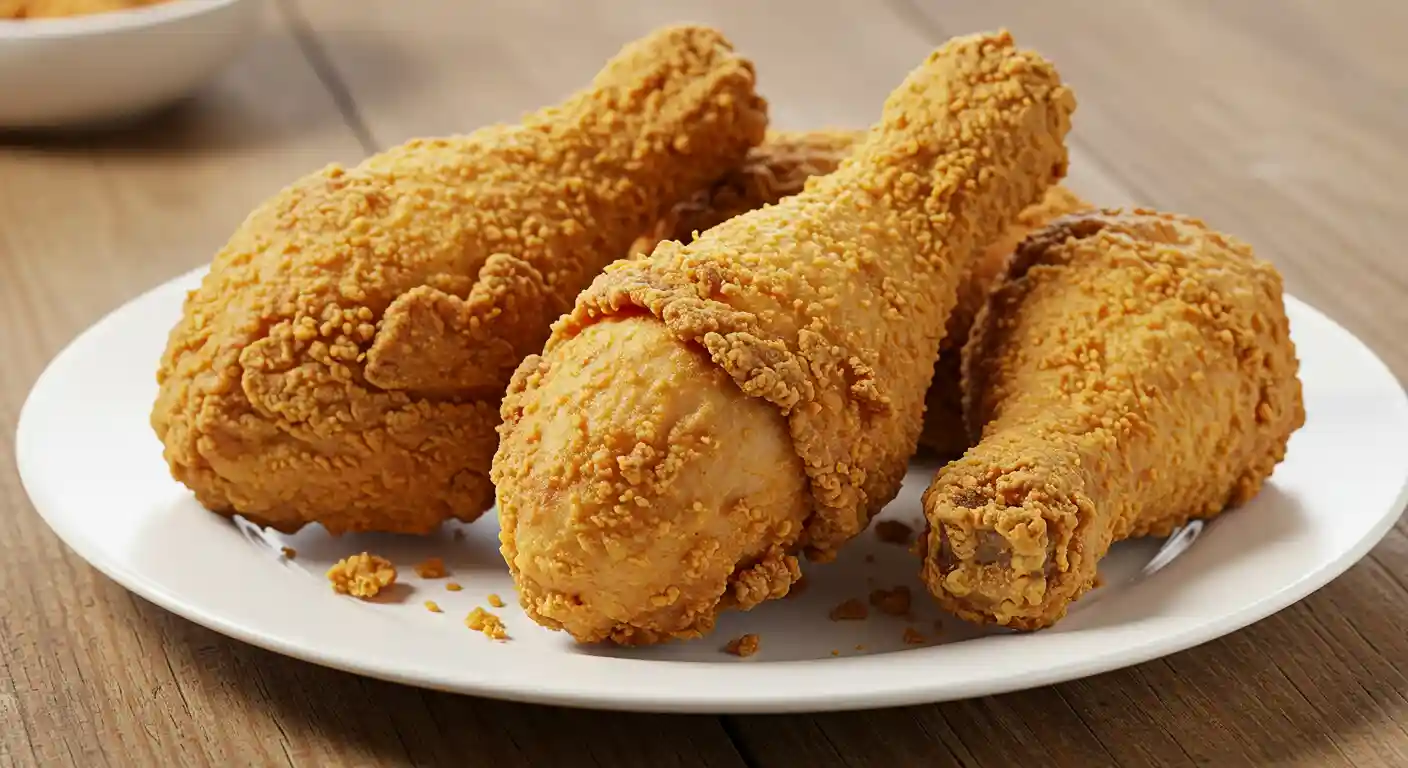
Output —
(362, 575)
(488, 623)
(49, 9)
(779, 168)
(1131, 371)
(344, 359)
(705, 414)
(944, 432)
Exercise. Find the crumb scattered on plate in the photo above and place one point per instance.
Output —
(912, 636)
(835, 652)
(432, 606)
(431, 568)
(453, 586)
(362, 575)
(851, 610)
(894, 602)
(893, 532)
(860, 647)
(870, 558)
(744, 646)
(458, 534)
(289, 552)
(495, 600)
(491, 625)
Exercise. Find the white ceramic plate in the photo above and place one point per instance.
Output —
(94, 471)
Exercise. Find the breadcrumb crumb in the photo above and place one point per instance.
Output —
(290, 552)
(432, 606)
(894, 602)
(495, 600)
(893, 532)
(362, 575)
(912, 636)
(491, 625)
(835, 652)
(860, 647)
(453, 586)
(744, 646)
(851, 610)
(870, 558)
(432, 568)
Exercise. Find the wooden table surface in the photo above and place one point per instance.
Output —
(1283, 123)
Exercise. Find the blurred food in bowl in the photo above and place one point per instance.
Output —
(53, 9)
(119, 60)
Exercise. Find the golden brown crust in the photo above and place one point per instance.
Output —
(812, 324)
(944, 432)
(344, 359)
(777, 168)
(1132, 371)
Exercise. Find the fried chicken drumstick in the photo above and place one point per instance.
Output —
(1130, 372)
(344, 359)
(779, 168)
(944, 433)
(705, 414)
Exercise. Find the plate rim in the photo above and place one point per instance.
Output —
(749, 700)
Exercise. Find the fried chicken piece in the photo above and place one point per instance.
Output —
(344, 359)
(779, 168)
(944, 433)
(705, 414)
(1132, 371)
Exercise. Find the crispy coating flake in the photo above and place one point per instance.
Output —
(488, 623)
(706, 413)
(344, 359)
(363, 575)
(892, 602)
(744, 646)
(850, 610)
(1132, 371)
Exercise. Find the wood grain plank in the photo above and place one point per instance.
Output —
(90, 221)
(423, 68)
(1242, 127)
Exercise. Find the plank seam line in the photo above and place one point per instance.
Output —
(317, 58)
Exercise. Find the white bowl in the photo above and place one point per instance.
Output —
(106, 67)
